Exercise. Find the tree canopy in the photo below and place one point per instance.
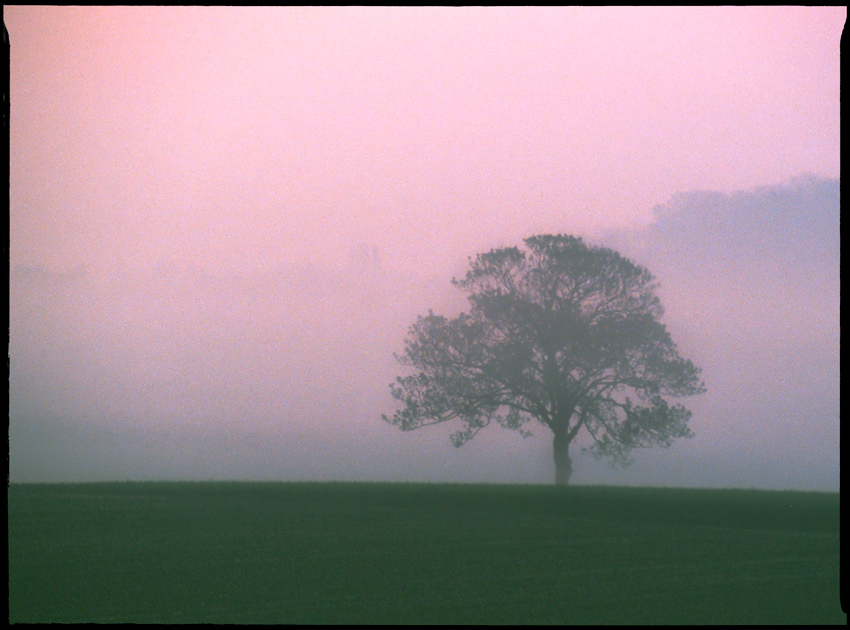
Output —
(561, 332)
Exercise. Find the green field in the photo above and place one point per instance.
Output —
(420, 553)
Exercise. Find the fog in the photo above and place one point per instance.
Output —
(223, 222)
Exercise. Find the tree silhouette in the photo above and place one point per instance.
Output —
(564, 333)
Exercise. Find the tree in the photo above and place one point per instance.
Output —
(564, 333)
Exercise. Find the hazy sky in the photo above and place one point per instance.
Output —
(223, 220)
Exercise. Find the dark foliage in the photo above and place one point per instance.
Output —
(561, 332)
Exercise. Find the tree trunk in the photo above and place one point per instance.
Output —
(563, 463)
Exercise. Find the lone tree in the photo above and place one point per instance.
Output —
(564, 333)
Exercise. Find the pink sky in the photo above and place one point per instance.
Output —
(236, 138)
(236, 141)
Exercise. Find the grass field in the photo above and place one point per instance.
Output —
(420, 553)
